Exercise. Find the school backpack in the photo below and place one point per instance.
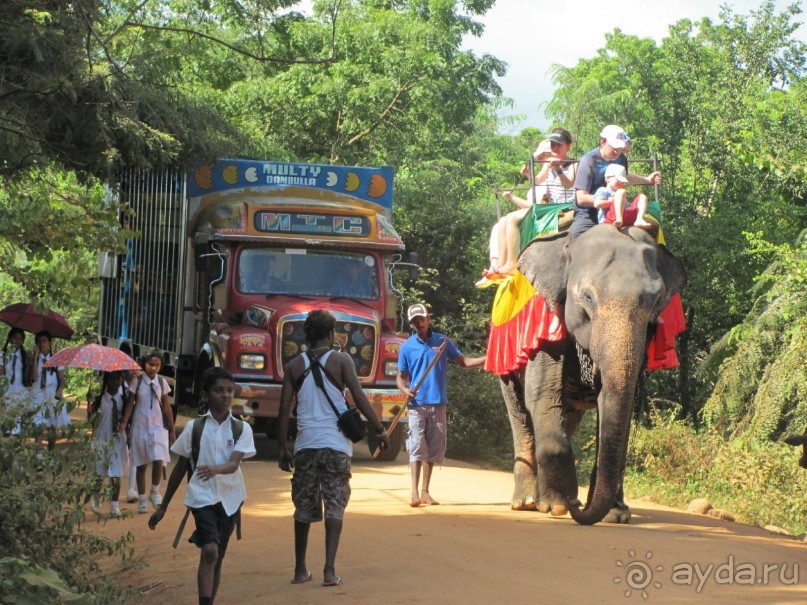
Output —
(196, 442)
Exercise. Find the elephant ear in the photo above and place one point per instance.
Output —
(545, 264)
(672, 271)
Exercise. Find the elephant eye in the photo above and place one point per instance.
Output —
(588, 297)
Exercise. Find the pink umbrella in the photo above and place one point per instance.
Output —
(93, 356)
(26, 317)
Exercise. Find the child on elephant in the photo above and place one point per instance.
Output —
(610, 201)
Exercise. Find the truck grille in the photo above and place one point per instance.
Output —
(356, 338)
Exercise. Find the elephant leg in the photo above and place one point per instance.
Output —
(524, 467)
(556, 477)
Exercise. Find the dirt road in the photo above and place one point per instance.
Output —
(470, 550)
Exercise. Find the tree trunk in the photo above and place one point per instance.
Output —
(684, 392)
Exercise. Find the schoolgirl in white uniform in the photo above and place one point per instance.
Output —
(149, 409)
(14, 366)
(113, 453)
(47, 388)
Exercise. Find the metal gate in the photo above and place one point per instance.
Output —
(142, 299)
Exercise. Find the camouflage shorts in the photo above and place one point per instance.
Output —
(320, 476)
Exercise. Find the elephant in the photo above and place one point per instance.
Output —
(608, 286)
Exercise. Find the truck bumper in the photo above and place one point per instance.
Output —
(262, 400)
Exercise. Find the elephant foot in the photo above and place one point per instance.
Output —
(522, 503)
(619, 514)
(556, 509)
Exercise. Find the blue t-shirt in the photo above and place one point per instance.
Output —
(590, 177)
(603, 193)
(413, 359)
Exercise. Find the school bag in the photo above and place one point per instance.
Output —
(196, 442)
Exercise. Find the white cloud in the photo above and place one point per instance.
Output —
(531, 35)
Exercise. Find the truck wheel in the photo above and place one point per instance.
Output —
(396, 441)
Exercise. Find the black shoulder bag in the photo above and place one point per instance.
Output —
(349, 422)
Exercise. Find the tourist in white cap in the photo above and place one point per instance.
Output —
(591, 176)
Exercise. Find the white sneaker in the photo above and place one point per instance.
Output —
(95, 503)
(114, 510)
(156, 498)
(131, 496)
(143, 507)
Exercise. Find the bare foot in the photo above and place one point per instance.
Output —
(617, 224)
(640, 222)
(415, 502)
(426, 499)
(494, 274)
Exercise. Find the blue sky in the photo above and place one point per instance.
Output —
(531, 35)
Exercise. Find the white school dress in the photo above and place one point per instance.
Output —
(17, 395)
(149, 439)
(113, 455)
(54, 412)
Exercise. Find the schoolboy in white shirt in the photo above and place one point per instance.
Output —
(216, 488)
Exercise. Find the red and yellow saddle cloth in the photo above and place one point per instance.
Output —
(521, 322)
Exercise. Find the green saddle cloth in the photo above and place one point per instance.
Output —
(542, 219)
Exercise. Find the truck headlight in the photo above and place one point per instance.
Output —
(391, 368)
(251, 361)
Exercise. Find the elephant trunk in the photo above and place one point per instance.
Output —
(620, 362)
(615, 417)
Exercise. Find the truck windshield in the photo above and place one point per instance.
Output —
(307, 273)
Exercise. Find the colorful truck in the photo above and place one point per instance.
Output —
(227, 260)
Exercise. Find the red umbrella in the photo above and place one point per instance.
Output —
(96, 357)
(26, 317)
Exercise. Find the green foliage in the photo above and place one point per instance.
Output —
(381, 83)
(49, 554)
(84, 86)
(756, 482)
(51, 229)
(759, 368)
(26, 584)
(479, 429)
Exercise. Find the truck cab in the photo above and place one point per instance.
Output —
(264, 243)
